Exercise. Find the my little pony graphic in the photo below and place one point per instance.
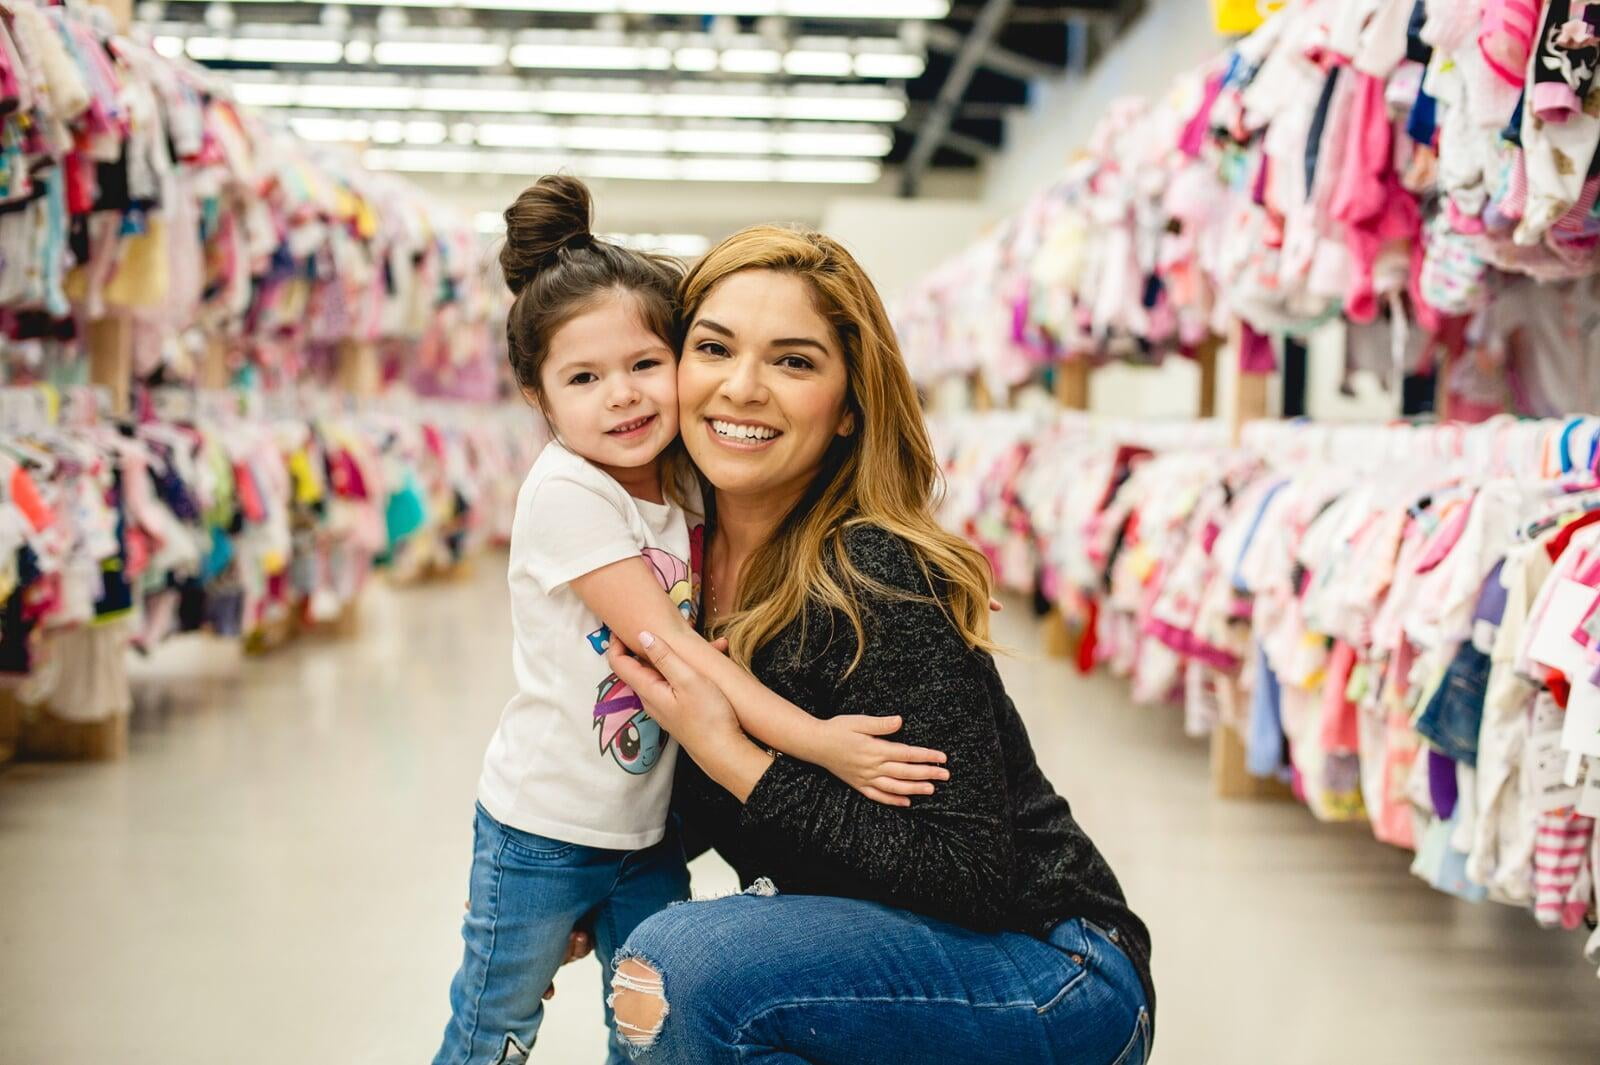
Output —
(626, 732)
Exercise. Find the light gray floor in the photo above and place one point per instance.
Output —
(276, 875)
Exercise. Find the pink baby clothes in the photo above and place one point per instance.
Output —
(1560, 864)
(1505, 39)
(1368, 198)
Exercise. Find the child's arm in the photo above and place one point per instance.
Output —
(628, 598)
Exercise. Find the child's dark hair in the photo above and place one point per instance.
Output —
(557, 269)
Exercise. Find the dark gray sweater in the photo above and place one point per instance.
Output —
(994, 848)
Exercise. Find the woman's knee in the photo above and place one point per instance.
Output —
(675, 964)
(638, 1002)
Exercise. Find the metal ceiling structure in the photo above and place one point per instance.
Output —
(753, 90)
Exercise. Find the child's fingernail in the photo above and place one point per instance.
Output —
(646, 640)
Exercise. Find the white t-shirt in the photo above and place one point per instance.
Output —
(575, 757)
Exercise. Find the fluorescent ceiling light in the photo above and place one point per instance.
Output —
(442, 99)
(893, 10)
(438, 54)
(388, 131)
(630, 167)
(873, 145)
(264, 50)
(695, 59)
(559, 102)
(817, 64)
(464, 95)
(356, 130)
(266, 94)
(864, 142)
(330, 129)
(723, 141)
(168, 46)
(884, 10)
(751, 61)
(842, 108)
(425, 131)
(616, 139)
(889, 65)
(518, 135)
(589, 57)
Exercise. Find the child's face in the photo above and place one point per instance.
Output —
(611, 387)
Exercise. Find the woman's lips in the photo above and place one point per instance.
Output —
(634, 429)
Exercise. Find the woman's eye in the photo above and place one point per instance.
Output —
(582, 379)
(796, 362)
(712, 348)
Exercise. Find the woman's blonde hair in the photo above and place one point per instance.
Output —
(883, 474)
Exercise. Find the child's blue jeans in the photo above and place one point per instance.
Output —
(527, 895)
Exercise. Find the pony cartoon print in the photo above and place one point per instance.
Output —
(626, 732)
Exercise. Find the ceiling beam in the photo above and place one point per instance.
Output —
(978, 149)
(942, 38)
(937, 124)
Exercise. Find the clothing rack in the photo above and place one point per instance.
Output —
(221, 511)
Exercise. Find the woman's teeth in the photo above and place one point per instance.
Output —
(734, 431)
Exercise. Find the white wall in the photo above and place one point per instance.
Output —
(896, 241)
(1172, 36)
(712, 209)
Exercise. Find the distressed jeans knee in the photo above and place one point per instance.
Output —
(638, 1001)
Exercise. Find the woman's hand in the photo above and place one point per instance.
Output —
(693, 709)
(682, 700)
(882, 770)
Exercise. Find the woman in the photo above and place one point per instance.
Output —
(975, 924)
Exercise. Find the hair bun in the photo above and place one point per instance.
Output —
(551, 214)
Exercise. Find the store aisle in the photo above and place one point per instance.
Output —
(277, 873)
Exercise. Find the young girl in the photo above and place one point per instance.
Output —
(572, 803)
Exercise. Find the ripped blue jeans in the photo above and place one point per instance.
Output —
(797, 979)
(527, 894)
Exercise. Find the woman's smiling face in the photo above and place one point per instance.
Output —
(762, 385)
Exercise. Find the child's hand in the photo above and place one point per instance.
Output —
(880, 769)
(579, 945)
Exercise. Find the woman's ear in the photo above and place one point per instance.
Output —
(847, 424)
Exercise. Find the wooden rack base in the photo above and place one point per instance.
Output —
(35, 732)
(1229, 777)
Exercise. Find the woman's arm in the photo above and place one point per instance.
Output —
(949, 854)
(628, 598)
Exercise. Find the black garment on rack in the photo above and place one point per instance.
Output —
(1319, 123)
(1417, 49)
(111, 181)
(15, 625)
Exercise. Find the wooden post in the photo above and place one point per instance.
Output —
(109, 344)
(1206, 358)
(1441, 386)
(1072, 384)
(1230, 779)
(982, 398)
(358, 372)
(213, 373)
